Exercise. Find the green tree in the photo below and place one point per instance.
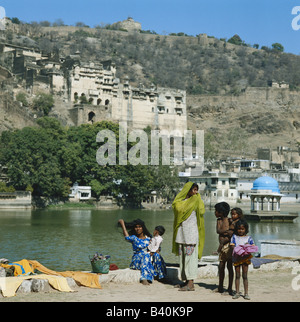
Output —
(165, 181)
(33, 156)
(277, 47)
(15, 20)
(236, 40)
(6, 188)
(44, 103)
(47, 159)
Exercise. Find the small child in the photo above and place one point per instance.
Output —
(223, 223)
(236, 215)
(156, 240)
(241, 256)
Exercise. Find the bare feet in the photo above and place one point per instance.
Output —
(188, 287)
(145, 282)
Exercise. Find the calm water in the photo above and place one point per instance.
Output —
(63, 239)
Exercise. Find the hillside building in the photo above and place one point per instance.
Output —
(108, 98)
(94, 91)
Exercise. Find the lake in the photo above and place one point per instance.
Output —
(64, 239)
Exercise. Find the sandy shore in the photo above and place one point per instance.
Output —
(282, 285)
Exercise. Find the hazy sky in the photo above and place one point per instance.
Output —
(262, 22)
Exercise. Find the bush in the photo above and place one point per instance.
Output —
(22, 98)
(43, 102)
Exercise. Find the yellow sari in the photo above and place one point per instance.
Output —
(182, 209)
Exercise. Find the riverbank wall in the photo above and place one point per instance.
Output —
(128, 276)
(16, 200)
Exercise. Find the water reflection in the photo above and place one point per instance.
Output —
(63, 239)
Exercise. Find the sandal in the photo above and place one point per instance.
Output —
(236, 296)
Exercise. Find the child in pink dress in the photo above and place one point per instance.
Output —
(241, 255)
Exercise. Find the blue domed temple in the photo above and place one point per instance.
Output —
(265, 195)
(266, 183)
(265, 201)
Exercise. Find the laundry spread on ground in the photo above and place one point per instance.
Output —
(9, 285)
(25, 269)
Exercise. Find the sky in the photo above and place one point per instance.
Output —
(261, 22)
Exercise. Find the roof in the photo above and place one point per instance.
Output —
(266, 183)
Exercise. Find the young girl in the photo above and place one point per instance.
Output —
(236, 214)
(241, 256)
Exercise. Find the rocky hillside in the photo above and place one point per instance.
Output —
(227, 84)
(238, 125)
(12, 115)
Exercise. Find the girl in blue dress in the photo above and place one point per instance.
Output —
(139, 237)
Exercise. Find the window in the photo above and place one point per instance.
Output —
(91, 117)
(214, 181)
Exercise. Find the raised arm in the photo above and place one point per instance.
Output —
(125, 232)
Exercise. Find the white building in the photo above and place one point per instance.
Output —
(215, 187)
(110, 99)
(80, 192)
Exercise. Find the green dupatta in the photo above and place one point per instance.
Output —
(182, 209)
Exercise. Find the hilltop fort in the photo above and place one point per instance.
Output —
(241, 96)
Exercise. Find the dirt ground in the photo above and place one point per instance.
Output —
(274, 286)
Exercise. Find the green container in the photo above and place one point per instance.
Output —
(100, 266)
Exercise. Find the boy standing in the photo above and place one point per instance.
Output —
(225, 252)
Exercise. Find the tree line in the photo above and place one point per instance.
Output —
(48, 159)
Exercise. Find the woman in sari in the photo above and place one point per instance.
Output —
(139, 237)
(188, 233)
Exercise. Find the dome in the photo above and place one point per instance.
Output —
(266, 183)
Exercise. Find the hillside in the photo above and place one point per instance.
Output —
(238, 125)
(227, 85)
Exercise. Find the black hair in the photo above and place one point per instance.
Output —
(160, 229)
(131, 225)
(194, 185)
(241, 222)
(223, 208)
(239, 211)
